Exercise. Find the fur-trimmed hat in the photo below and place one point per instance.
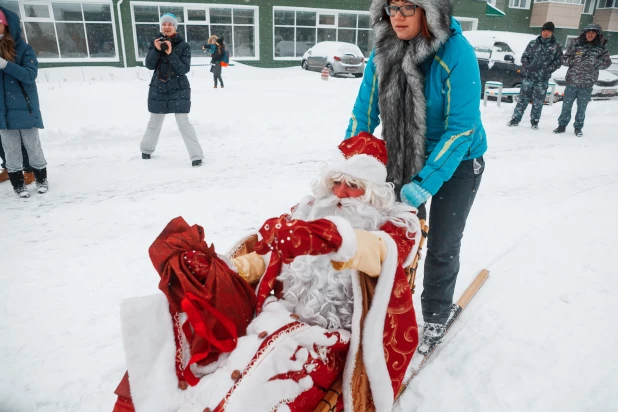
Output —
(363, 156)
(169, 18)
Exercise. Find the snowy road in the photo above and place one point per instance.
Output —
(544, 223)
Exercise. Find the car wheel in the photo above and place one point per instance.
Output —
(331, 71)
(304, 65)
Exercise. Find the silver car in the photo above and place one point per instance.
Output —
(338, 57)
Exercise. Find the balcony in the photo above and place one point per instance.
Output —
(564, 15)
(607, 19)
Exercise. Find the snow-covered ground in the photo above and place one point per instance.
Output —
(538, 337)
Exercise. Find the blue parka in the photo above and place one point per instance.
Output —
(453, 118)
(19, 108)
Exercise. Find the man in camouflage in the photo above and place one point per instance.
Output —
(542, 57)
(584, 56)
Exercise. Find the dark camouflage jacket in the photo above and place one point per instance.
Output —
(541, 58)
(585, 58)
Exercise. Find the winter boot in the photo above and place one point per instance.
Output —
(512, 123)
(41, 180)
(145, 156)
(432, 337)
(17, 180)
(559, 129)
(535, 126)
(579, 133)
(28, 178)
(4, 175)
(196, 163)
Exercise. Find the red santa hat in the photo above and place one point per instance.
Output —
(363, 156)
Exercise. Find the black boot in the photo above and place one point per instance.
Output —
(17, 180)
(559, 129)
(40, 176)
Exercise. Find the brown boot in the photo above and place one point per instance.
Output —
(28, 178)
(4, 175)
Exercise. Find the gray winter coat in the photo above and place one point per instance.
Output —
(585, 58)
(541, 58)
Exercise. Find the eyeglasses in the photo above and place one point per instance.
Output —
(406, 11)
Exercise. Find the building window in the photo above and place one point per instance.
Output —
(607, 4)
(296, 30)
(196, 23)
(75, 32)
(468, 23)
(588, 7)
(519, 4)
(578, 2)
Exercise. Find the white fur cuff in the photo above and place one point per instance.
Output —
(348, 245)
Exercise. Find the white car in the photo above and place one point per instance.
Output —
(605, 87)
(338, 57)
(613, 69)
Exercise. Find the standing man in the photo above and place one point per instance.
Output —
(584, 57)
(542, 57)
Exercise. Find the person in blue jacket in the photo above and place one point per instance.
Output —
(20, 115)
(422, 83)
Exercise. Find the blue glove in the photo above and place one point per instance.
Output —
(413, 194)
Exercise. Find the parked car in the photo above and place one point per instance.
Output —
(499, 55)
(606, 86)
(338, 57)
(613, 69)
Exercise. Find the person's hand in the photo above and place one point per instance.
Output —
(413, 194)
(157, 44)
(169, 47)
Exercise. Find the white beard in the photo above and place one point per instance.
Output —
(317, 293)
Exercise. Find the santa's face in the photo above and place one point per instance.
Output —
(345, 190)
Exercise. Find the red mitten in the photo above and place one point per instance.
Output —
(291, 238)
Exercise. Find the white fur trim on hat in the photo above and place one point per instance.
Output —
(360, 166)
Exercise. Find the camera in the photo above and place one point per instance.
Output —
(164, 45)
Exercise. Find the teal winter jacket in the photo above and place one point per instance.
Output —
(453, 118)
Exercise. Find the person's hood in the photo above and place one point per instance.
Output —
(438, 14)
(600, 39)
(14, 23)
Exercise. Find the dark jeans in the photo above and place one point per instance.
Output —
(583, 97)
(447, 219)
(216, 76)
(24, 153)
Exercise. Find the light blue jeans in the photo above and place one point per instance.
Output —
(11, 142)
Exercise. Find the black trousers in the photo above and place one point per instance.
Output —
(448, 213)
(24, 153)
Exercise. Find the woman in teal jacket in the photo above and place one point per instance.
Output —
(423, 82)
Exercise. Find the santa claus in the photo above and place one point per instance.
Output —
(314, 312)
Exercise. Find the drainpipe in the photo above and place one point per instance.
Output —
(124, 50)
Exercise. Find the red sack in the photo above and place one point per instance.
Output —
(218, 302)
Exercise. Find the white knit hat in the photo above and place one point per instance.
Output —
(169, 18)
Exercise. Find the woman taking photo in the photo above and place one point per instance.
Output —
(423, 82)
(20, 117)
